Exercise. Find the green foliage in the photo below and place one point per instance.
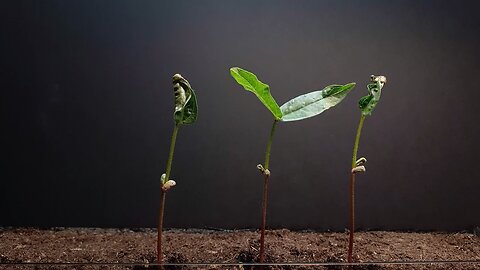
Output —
(186, 108)
(314, 103)
(251, 83)
(367, 103)
(190, 110)
(301, 107)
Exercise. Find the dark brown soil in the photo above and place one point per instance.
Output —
(201, 246)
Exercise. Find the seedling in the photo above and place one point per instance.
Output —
(366, 105)
(299, 108)
(185, 113)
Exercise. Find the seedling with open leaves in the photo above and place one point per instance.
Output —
(299, 108)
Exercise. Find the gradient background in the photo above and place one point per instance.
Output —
(87, 103)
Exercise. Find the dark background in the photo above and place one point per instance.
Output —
(87, 103)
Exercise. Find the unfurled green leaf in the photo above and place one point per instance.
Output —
(368, 102)
(314, 103)
(186, 108)
(251, 83)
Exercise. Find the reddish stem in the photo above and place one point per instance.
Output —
(163, 194)
(264, 217)
(352, 216)
(160, 226)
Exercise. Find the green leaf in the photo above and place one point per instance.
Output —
(191, 110)
(186, 108)
(368, 103)
(251, 83)
(314, 103)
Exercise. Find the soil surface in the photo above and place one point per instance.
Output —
(82, 245)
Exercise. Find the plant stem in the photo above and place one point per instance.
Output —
(352, 216)
(266, 176)
(163, 194)
(352, 188)
(269, 145)
(357, 140)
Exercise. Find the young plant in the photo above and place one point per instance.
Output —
(366, 105)
(185, 113)
(299, 108)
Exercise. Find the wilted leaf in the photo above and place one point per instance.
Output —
(314, 103)
(251, 83)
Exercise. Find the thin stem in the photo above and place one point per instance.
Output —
(264, 217)
(160, 226)
(266, 176)
(269, 145)
(170, 153)
(163, 194)
(352, 189)
(357, 140)
(352, 216)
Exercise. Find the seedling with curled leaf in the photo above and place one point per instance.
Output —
(299, 108)
(367, 105)
(186, 110)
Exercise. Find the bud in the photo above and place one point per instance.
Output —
(359, 169)
(169, 184)
(379, 79)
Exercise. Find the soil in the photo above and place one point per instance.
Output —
(87, 245)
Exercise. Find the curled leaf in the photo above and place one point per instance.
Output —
(314, 103)
(251, 83)
(186, 107)
(367, 103)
